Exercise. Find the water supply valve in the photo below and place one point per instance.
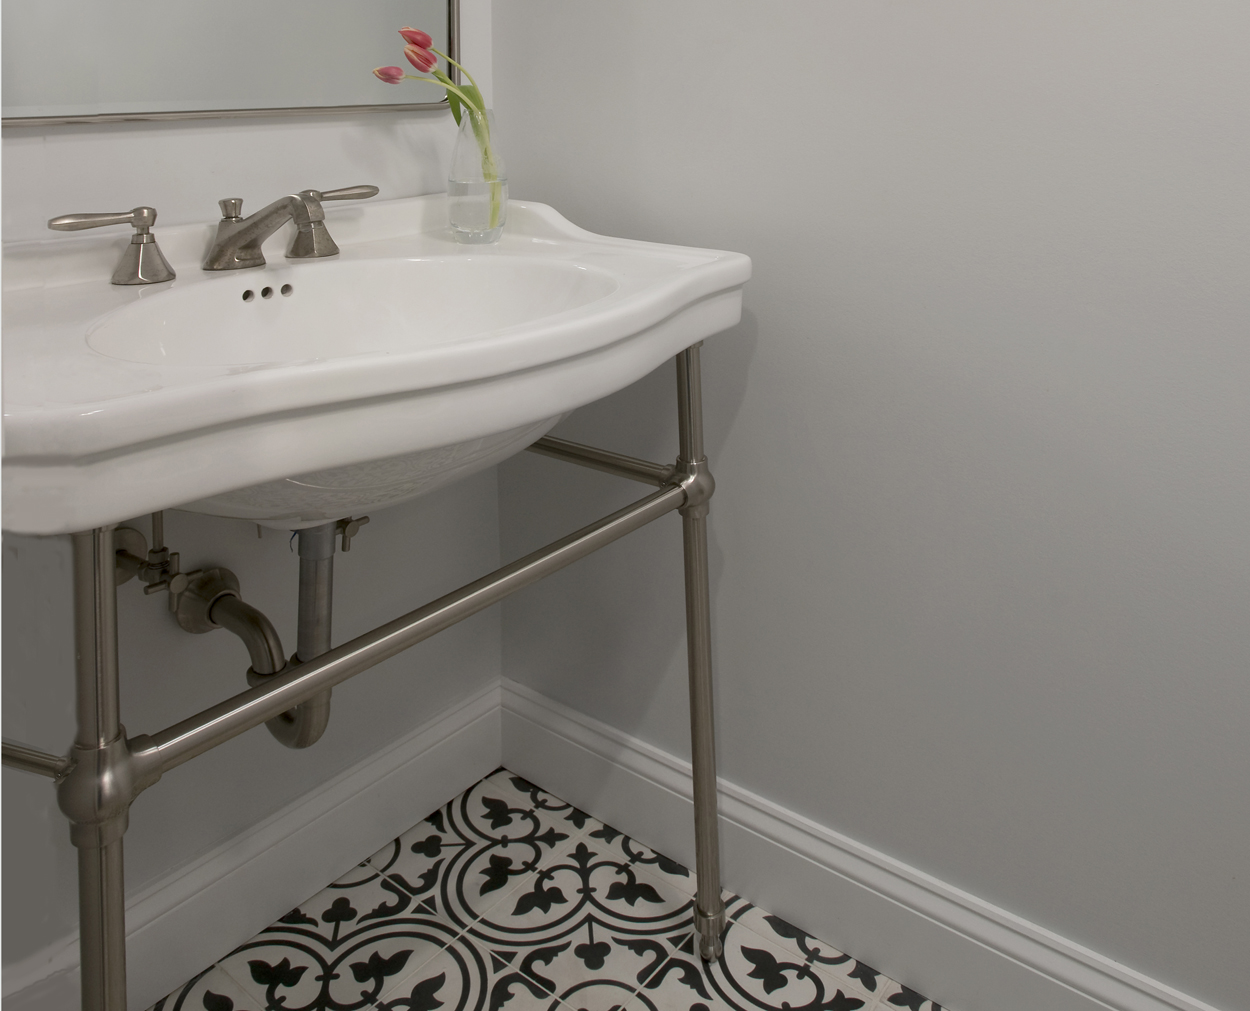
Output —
(349, 528)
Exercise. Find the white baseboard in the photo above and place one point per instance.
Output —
(184, 922)
(958, 949)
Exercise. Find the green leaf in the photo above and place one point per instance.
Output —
(474, 96)
(453, 99)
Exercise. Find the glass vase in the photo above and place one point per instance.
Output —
(477, 185)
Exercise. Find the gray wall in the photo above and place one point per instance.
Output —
(407, 555)
(980, 553)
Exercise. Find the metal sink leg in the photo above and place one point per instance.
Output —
(97, 799)
(694, 476)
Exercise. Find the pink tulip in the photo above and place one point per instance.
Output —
(422, 59)
(416, 37)
(389, 75)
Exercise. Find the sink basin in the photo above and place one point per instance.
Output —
(395, 306)
(303, 391)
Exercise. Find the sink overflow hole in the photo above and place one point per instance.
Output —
(249, 295)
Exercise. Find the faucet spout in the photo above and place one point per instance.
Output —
(239, 239)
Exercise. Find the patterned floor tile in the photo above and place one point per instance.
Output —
(472, 973)
(340, 949)
(586, 884)
(362, 873)
(896, 996)
(634, 854)
(457, 978)
(469, 854)
(583, 919)
(601, 995)
(801, 946)
(753, 974)
(552, 810)
(509, 899)
(212, 990)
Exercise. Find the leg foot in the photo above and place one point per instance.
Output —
(707, 932)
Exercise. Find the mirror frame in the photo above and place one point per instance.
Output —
(453, 47)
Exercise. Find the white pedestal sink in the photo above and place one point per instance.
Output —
(297, 393)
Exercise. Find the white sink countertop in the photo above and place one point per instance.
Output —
(120, 400)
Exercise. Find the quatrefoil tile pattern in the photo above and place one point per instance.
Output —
(509, 899)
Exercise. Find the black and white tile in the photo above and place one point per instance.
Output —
(509, 899)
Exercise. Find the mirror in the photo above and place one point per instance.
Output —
(75, 61)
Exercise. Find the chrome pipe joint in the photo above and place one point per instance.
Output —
(699, 485)
(99, 785)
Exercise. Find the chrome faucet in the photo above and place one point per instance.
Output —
(239, 239)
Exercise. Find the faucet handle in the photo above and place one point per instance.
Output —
(348, 193)
(231, 208)
(311, 237)
(141, 217)
(142, 262)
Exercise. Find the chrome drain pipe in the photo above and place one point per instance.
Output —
(302, 726)
(316, 589)
(257, 632)
(211, 600)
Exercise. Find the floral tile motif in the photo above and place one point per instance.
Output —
(801, 946)
(634, 854)
(752, 974)
(212, 990)
(525, 976)
(472, 852)
(456, 980)
(905, 997)
(583, 917)
(339, 950)
(587, 884)
(509, 899)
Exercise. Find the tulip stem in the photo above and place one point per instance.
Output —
(450, 87)
(480, 124)
(458, 66)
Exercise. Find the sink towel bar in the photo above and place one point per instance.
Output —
(105, 770)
